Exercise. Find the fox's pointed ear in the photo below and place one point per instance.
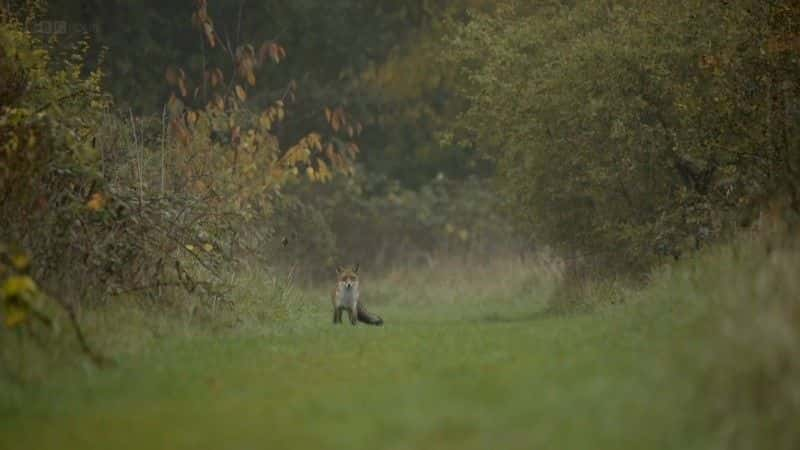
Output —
(355, 269)
(339, 270)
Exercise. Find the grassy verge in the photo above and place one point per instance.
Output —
(471, 357)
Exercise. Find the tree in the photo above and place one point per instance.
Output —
(623, 130)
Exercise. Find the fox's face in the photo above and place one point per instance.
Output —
(348, 277)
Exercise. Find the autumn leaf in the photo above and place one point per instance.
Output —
(182, 87)
(236, 135)
(217, 77)
(171, 75)
(96, 202)
(241, 93)
(174, 106)
(208, 30)
(15, 292)
(265, 122)
(15, 315)
(191, 118)
(180, 131)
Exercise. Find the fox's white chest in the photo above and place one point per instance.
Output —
(348, 297)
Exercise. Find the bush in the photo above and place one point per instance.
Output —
(372, 220)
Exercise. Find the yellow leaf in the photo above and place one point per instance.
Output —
(96, 202)
(18, 285)
(189, 247)
(251, 78)
(20, 261)
(265, 121)
(241, 93)
(15, 315)
(208, 248)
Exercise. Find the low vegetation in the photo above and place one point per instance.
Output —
(704, 356)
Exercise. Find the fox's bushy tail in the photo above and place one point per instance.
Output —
(367, 317)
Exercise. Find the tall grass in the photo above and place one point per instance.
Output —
(733, 314)
(131, 324)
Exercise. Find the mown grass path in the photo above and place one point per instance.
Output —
(432, 378)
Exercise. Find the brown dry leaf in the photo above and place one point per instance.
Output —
(182, 87)
(171, 75)
(352, 148)
(274, 52)
(180, 131)
(236, 135)
(191, 117)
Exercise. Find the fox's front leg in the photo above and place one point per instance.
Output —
(337, 314)
(353, 313)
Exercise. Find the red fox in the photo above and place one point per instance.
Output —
(346, 298)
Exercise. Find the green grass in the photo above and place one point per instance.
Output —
(487, 367)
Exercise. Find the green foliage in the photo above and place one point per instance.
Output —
(48, 167)
(630, 130)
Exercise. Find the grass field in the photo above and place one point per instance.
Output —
(466, 360)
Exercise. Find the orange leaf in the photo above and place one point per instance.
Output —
(96, 202)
